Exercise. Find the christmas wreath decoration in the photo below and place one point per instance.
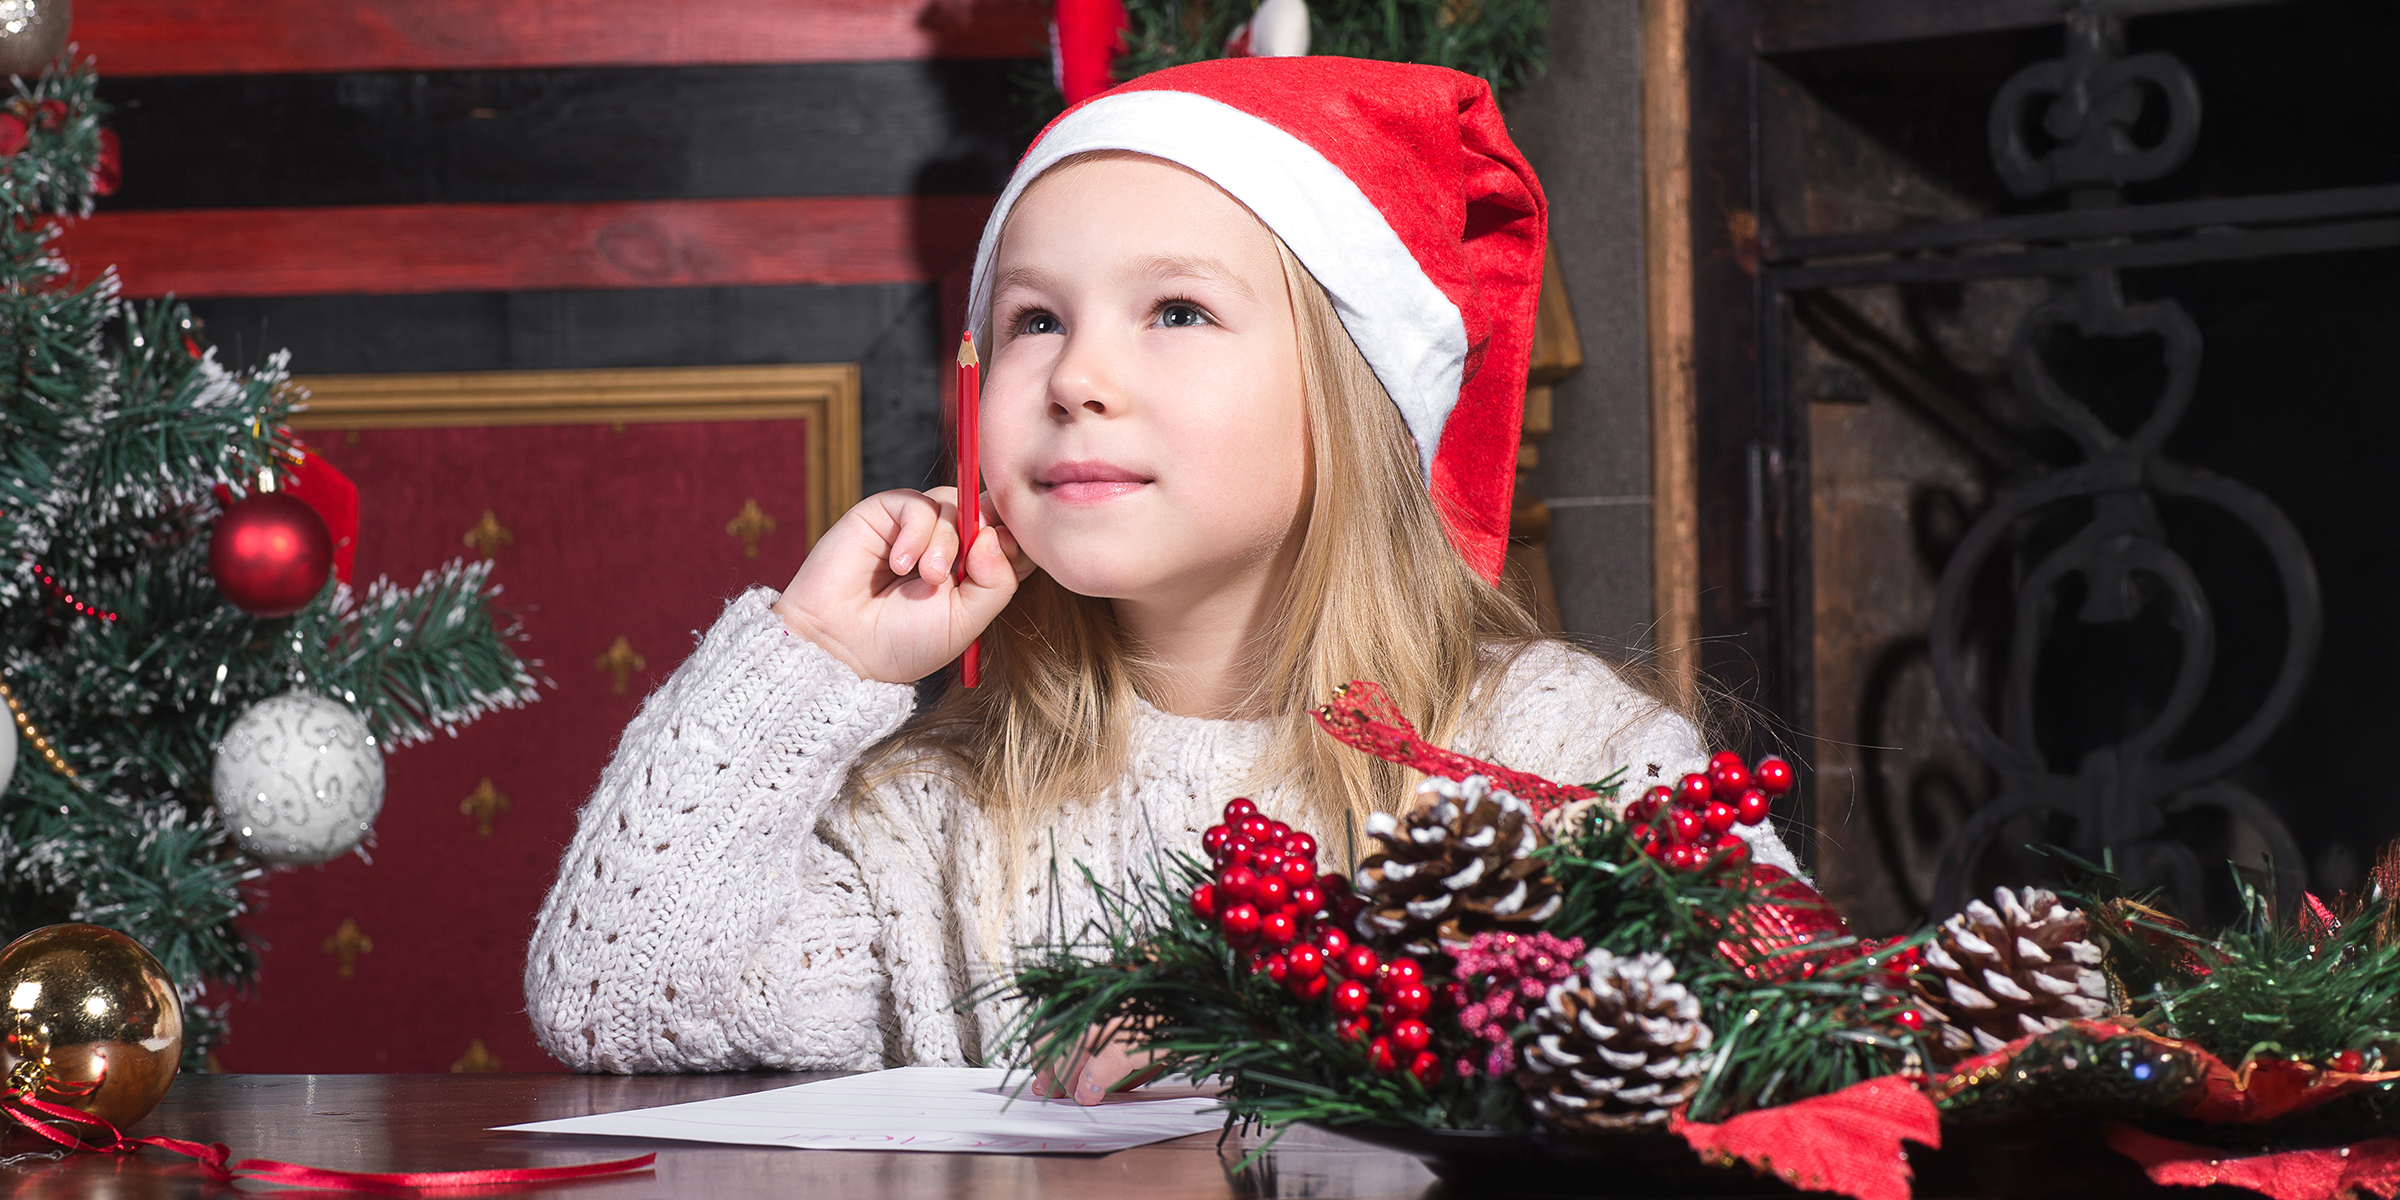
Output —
(1518, 956)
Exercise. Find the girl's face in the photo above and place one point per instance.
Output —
(1144, 432)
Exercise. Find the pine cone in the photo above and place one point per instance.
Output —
(2020, 965)
(1617, 1046)
(1456, 866)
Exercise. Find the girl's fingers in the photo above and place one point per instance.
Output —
(917, 523)
(940, 555)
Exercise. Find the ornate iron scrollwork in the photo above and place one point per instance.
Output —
(2123, 796)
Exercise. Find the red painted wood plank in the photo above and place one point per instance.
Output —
(416, 248)
(212, 37)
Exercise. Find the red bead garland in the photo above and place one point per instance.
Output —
(55, 588)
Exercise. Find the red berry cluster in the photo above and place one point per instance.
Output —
(1272, 905)
(1690, 826)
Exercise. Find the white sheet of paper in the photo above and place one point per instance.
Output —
(957, 1109)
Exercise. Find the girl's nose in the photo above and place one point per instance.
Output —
(1086, 381)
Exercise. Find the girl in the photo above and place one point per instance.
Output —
(1256, 335)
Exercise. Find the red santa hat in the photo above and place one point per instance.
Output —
(1398, 188)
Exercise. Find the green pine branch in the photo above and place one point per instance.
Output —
(416, 660)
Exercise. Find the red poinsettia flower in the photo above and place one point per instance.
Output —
(109, 173)
(12, 134)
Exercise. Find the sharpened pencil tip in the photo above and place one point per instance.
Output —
(966, 350)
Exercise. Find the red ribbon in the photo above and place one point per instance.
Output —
(1363, 717)
(60, 1125)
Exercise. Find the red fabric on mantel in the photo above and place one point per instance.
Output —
(1847, 1142)
(609, 534)
(2321, 1174)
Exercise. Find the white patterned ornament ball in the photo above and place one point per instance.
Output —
(299, 779)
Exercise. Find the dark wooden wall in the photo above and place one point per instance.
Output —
(442, 186)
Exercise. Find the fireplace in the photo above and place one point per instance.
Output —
(2044, 379)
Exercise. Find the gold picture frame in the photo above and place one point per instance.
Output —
(823, 395)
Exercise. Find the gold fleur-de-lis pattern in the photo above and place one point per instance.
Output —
(487, 535)
(478, 1060)
(483, 804)
(750, 525)
(620, 661)
(345, 945)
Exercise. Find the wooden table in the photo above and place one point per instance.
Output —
(441, 1122)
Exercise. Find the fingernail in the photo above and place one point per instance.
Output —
(900, 562)
(1088, 1090)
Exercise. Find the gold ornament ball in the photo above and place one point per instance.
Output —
(33, 33)
(88, 1019)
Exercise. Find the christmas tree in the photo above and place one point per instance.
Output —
(126, 452)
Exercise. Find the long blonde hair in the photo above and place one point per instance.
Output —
(1377, 593)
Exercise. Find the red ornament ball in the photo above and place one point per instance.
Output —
(1350, 998)
(1407, 999)
(1773, 776)
(1238, 808)
(1427, 1067)
(1271, 892)
(1276, 967)
(1686, 826)
(1719, 816)
(1279, 928)
(1360, 963)
(1306, 987)
(1730, 850)
(1909, 1019)
(1300, 846)
(1214, 840)
(2350, 1061)
(1679, 857)
(1354, 1029)
(1204, 900)
(1307, 900)
(270, 554)
(1412, 1036)
(1642, 810)
(1724, 758)
(1334, 943)
(1403, 970)
(1298, 872)
(1728, 779)
(1693, 790)
(1306, 960)
(1380, 1055)
(1241, 920)
(1237, 883)
(1752, 807)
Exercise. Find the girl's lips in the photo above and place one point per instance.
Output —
(1089, 482)
(1089, 491)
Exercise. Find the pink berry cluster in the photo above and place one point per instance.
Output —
(1515, 972)
(1690, 826)
(1272, 905)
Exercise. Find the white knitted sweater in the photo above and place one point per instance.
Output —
(725, 905)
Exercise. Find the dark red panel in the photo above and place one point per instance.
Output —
(417, 248)
(609, 534)
(211, 37)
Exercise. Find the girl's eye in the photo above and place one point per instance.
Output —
(1037, 323)
(1179, 315)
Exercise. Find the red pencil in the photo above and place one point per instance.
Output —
(970, 493)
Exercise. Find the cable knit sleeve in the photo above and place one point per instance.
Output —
(1565, 715)
(700, 921)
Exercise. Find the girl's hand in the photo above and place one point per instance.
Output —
(1108, 1061)
(876, 591)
